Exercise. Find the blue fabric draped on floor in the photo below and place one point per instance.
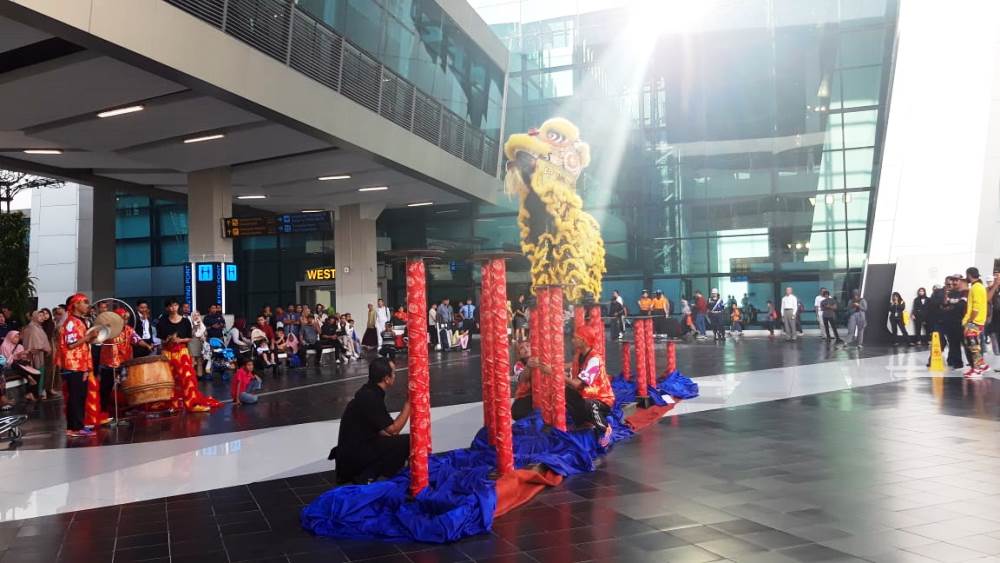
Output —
(461, 498)
(677, 385)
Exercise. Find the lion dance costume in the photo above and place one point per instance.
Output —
(562, 243)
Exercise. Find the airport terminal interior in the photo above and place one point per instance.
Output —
(557, 280)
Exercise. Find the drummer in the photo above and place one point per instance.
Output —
(114, 352)
(174, 331)
(73, 357)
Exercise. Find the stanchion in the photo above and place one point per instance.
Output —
(417, 364)
(493, 319)
(627, 361)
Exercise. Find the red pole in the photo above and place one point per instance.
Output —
(544, 353)
(504, 441)
(650, 353)
(535, 340)
(626, 361)
(671, 357)
(419, 374)
(557, 352)
(638, 327)
(597, 325)
(579, 317)
(487, 363)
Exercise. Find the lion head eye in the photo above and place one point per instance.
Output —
(555, 137)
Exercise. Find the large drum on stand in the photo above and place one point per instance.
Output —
(147, 380)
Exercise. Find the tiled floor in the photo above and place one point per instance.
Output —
(310, 395)
(902, 471)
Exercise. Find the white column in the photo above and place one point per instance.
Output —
(938, 206)
(210, 198)
(356, 260)
(72, 243)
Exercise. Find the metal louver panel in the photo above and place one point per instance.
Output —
(473, 153)
(209, 11)
(361, 78)
(491, 156)
(452, 134)
(262, 24)
(427, 118)
(397, 99)
(315, 51)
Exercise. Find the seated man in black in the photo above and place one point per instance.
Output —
(329, 337)
(370, 445)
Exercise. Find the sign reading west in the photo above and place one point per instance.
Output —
(319, 274)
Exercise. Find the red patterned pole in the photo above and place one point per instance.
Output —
(671, 357)
(489, 372)
(535, 339)
(650, 352)
(597, 325)
(545, 344)
(579, 317)
(627, 361)
(557, 353)
(419, 374)
(639, 326)
(503, 441)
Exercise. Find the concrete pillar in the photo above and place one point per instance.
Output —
(72, 243)
(355, 257)
(210, 198)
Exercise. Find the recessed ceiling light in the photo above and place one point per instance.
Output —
(42, 151)
(443, 211)
(336, 177)
(120, 111)
(313, 211)
(374, 189)
(420, 204)
(251, 197)
(205, 138)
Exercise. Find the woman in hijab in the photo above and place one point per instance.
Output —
(14, 355)
(37, 346)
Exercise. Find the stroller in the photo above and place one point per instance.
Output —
(223, 359)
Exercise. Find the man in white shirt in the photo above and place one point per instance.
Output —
(789, 309)
(382, 316)
(818, 307)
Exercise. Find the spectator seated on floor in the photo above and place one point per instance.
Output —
(245, 385)
(460, 332)
(370, 445)
(388, 349)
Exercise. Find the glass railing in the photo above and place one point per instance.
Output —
(285, 32)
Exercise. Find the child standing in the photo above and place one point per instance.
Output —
(737, 321)
(245, 384)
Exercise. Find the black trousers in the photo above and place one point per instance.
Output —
(921, 330)
(383, 458)
(953, 333)
(107, 390)
(897, 325)
(582, 410)
(76, 398)
(828, 325)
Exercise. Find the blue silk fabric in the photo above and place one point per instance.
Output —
(677, 385)
(461, 498)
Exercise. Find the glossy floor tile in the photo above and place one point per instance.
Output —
(906, 470)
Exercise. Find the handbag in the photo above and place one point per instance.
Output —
(906, 318)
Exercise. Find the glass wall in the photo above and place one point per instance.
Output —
(737, 153)
(418, 41)
(150, 249)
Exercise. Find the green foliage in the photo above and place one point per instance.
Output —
(16, 287)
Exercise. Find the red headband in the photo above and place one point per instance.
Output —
(586, 333)
(75, 298)
(120, 312)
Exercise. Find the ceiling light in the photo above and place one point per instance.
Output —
(336, 177)
(205, 138)
(374, 189)
(313, 210)
(446, 211)
(42, 151)
(120, 111)
(251, 196)
(420, 204)
(798, 246)
(829, 199)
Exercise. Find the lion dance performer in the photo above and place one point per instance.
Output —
(113, 353)
(175, 331)
(74, 358)
(562, 242)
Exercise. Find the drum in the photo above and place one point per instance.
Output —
(148, 380)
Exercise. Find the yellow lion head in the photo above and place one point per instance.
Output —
(557, 141)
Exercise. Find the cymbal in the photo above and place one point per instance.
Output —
(107, 325)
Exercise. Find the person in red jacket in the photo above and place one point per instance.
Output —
(245, 384)
(75, 360)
